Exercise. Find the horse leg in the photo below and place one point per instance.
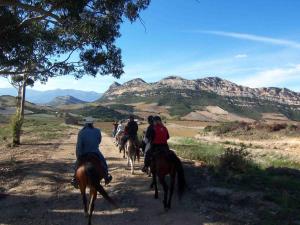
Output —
(154, 182)
(165, 187)
(172, 184)
(93, 196)
(128, 158)
(132, 164)
(84, 200)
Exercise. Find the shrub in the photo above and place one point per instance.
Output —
(277, 127)
(235, 159)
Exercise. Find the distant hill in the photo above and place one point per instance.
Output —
(43, 97)
(8, 106)
(180, 97)
(65, 100)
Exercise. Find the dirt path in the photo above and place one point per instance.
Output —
(37, 191)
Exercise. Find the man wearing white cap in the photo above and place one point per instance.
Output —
(88, 142)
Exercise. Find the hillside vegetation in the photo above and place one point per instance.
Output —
(195, 100)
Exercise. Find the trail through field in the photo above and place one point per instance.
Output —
(37, 191)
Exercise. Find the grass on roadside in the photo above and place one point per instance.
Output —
(190, 148)
(277, 178)
(36, 128)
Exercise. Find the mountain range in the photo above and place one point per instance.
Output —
(182, 96)
(44, 97)
(65, 100)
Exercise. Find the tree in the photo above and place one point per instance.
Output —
(40, 39)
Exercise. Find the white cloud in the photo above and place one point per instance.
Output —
(241, 56)
(253, 37)
(275, 77)
(4, 83)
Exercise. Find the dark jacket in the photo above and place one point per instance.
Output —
(132, 129)
(150, 133)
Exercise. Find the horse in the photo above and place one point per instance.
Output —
(119, 138)
(132, 151)
(89, 174)
(166, 162)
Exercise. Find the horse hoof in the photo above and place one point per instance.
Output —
(155, 196)
(86, 214)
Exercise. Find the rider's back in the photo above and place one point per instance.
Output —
(132, 128)
(161, 134)
(88, 141)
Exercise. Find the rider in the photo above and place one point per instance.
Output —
(88, 141)
(160, 141)
(115, 127)
(149, 134)
(121, 128)
(131, 130)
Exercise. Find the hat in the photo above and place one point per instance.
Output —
(89, 120)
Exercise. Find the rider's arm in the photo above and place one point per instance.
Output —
(79, 146)
(100, 137)
(168, 136)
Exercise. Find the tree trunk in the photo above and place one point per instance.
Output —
(23, 98)
(18, 119)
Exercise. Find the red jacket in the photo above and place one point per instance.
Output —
(161, 135)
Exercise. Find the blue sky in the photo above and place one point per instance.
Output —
(254, 43)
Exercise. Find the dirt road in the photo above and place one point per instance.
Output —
(35, 189)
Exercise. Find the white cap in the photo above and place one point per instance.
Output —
(89, 120)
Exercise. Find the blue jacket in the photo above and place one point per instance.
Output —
(88, 141)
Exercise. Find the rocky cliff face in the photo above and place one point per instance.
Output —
(139, 87)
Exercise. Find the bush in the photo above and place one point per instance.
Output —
(277, 127)
(235, 159)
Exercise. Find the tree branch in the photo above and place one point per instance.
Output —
(16, 3)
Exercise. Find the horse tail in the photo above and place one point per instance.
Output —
(181, 183)
(94, 179)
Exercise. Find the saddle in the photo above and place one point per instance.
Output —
(159, 150)
(89, 158)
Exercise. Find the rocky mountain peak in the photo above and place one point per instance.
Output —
(114, 85)
(137, 81)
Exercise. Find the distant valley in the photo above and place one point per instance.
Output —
(44, 97)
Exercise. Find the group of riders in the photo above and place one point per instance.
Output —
(154, 140)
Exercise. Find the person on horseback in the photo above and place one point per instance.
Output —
(88, 142)
(159, 141)
(131, 130)
(115, 127)
(149, 134)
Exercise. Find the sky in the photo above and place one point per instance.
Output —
(252, 42)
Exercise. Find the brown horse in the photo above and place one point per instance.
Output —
(89, 174)
(166, 162)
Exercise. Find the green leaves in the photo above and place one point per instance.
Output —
(44, 37)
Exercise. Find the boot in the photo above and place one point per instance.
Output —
(74, 183)
(145, 169)
(108, 179)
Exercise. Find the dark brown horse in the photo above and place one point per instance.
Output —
(89, 174)
(166, 162)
